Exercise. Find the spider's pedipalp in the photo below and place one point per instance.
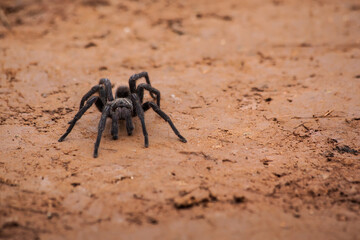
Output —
(129, 123)
(115, 114)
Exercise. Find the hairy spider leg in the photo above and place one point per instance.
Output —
(78, 115)
(140, 92)
(101, 128)
(133, 78)
(164, 116)
(105, 93)
(140, 114)
(115, 123)
(100, 102)
(128, 120)
(94, 89)
(108, 89)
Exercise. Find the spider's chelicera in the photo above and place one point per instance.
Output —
(128, 103)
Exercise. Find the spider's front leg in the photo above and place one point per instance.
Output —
(104, 90)
(78, 115)
(108, 90)
(93, 90)
(101, 128)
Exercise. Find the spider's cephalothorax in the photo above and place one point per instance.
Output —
(128, 103)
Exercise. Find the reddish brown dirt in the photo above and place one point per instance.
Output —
(266, 92)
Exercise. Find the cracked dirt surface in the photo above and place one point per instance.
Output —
(266, 93)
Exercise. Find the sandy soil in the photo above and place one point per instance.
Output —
(266, 92)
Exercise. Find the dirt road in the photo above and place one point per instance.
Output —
(266, 93)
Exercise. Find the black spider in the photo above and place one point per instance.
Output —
(128, 103)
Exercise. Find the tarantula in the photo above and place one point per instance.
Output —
(128, 103)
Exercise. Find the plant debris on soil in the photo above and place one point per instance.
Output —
(265, 91)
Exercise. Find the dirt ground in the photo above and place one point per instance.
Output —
(265, 91)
